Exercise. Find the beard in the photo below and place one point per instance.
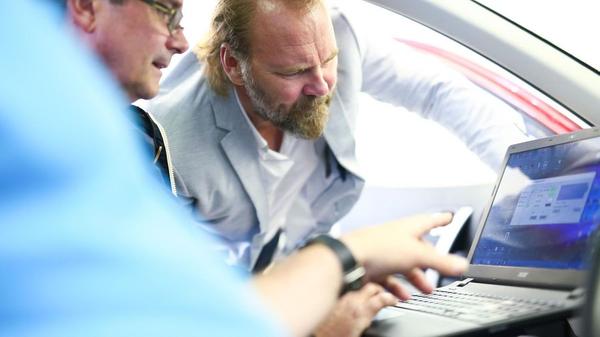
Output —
(306, 118)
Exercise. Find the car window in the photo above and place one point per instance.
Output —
(542, 116)
(570, 26)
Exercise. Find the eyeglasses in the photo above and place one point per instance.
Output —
(171, 15)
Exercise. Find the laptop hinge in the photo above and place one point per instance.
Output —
(576, 293)
(464, 282)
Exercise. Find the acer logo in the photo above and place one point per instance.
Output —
(522, 274)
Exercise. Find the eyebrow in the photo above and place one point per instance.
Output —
(294, 69)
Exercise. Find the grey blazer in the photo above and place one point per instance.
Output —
(214, 151)
(216, 159)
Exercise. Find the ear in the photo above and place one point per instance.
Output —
(83, 14)
(231, 65)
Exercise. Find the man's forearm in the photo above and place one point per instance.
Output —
(303, 288)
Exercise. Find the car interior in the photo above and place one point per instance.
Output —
(551, 88)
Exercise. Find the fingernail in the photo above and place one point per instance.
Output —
(448, 211)
(443, 213)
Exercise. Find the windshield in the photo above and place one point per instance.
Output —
(569, 25)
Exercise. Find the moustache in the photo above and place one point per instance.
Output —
(310, 103)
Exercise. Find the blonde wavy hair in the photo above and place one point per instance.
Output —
(231, 24)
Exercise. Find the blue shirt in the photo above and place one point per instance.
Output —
(90, 244)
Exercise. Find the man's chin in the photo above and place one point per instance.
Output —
(146, 93)
(310, 129)
(306, 133)
(311, 137)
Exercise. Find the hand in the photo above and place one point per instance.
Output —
(354, 312)
(397, 247)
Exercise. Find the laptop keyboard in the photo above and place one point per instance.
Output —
(474, 307)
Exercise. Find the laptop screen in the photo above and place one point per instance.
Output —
(545, 209)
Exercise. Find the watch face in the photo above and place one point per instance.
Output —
(354, 279)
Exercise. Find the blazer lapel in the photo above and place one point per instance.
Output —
(340, 137)
(241, 150)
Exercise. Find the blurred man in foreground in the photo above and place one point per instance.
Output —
(90, 244)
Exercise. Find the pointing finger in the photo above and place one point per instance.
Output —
(427, 222)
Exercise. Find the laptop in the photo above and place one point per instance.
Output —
(528, 259)
(591, 309)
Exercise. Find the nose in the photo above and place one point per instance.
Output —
(177, 42)
(320, 83)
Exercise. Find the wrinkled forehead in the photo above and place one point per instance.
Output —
(279, 25)
(280, 7)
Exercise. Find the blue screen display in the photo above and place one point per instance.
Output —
(546, 208)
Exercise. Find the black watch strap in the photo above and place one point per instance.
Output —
(354, 273)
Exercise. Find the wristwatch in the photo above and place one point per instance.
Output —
(353, 272)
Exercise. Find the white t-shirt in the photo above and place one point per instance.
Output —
(292, 179)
